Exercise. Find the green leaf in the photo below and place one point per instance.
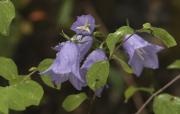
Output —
(3, 102)
(147, 26)
(162, 34)
(73, 101)
(166, 104)
(8, 69)
(174, 65)
(7, 14)
(15, 98)
(32, 92)
(166, 38)
(20, 94)
(124, 30)
(111, 41)
(97, 75)
(130, 91)
(123, 64)
(114, 38)
(44, 65)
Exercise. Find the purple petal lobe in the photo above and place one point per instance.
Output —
(96, 55)
(84, 44)
(84, 25)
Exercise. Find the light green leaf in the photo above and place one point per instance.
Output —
(3, 102)
(147, 26)
(162, 34)
(15, 98)
(8, 69)
(111, 42)
(7, 13)
(20, 94)
(166, 38)
(124, 30)
(130, 91)
(123, 64)
(97, 75)
(114, 38)
(174, 65)
(166, 104)
(73, 101)
(32, 92)
(44, 65)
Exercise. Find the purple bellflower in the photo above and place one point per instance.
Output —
(93, 57)
(66, 66)
(141, 53)
(84, 25)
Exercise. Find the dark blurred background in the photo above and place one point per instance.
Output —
(37, 28)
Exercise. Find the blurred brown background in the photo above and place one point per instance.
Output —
(37, 28)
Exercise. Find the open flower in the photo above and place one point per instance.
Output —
(66, 66)
(141, 53)
(93, 57)
(84, 25)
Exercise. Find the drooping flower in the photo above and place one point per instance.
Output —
(93, 57)
(84, 25)
(66, 66)
(141, 53)
(84, 44)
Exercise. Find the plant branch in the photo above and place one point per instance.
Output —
(156, 93)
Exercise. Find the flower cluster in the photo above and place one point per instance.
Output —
(71, 65)
(66, 66)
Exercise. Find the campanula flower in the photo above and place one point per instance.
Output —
(84, 25)
(93, 57)
(66, 65)
(141, 53)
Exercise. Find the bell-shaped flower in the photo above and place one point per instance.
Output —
(93, 57)
(84, 25)
(66, 65)
(141, 53)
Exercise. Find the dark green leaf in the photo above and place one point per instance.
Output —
(73, 101)
(166, 104)
(8, 69)
(7, 13)
(97, 75)
(174, 65)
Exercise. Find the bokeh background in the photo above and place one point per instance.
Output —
(37, 28)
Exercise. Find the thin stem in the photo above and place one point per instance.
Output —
(91, 103)
(156, 93)
(31, 73)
